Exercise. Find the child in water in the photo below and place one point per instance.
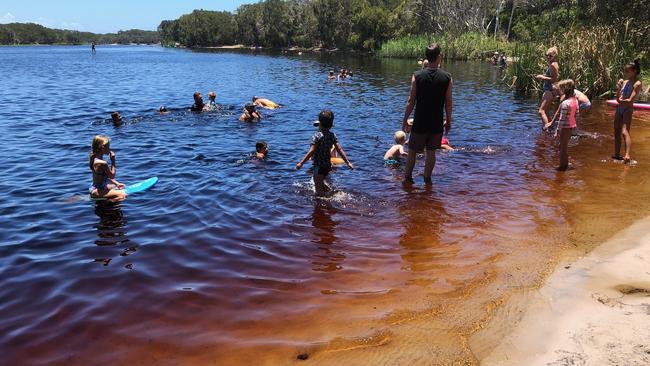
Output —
(584, 104)
(212, 102)
(261, 150)
(393, 156)
(104, 183)
(250, 113)
(321, 144)
(567, 120)
(331, 75)
(627, 91)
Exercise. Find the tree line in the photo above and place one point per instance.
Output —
(366, 24)
(30, 33)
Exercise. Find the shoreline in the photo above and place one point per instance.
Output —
(590, 310)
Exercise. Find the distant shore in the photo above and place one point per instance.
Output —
(593, 311)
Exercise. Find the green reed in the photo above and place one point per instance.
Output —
(467, 46)
(593, 57)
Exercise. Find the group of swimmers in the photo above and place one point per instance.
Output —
(342, 75)
(572, 101)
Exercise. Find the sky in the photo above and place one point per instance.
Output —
(105, 16)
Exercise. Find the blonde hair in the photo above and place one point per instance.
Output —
(212, 95)
(98, 145)
(553, 51)
(400, 136)
(425, 64)
(567, 87)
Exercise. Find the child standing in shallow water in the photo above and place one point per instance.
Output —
(625, 96)
(321, 145)
(567, 120)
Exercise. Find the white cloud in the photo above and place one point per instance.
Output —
(7, 18)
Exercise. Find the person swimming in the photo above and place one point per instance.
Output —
(212, 102)
(393, 156)
(261, 150)
(116, 117)
(265, 103)
(331, 75)
(198, 102)
(250, 113)
(104, 185)
(163, 110)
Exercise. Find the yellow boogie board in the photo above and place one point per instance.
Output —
(337, 161)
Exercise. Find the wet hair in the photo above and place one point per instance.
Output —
(553, 51)
(331, 72)
(567, 87)
(255, 98)
(212, 95)
(197, 94)
(400, 136)
(634, 65)
(260, 145)
(162, 109)
(98, 144)
(326, 119)
(432, 52)
(250, 106)
(115, 116)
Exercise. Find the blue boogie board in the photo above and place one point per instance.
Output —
(141, 186)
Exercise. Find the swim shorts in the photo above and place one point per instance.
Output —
(391, 163)
(322, 170)
(429, 141)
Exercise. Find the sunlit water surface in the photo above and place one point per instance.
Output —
(232, 261)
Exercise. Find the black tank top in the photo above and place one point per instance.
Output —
(431, 95)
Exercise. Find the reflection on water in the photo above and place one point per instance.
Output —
(230, 259)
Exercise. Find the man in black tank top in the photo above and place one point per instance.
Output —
(431, 98)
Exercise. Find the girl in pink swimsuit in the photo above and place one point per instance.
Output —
(566, 121)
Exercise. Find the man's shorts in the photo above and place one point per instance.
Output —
(322, 170)
(429, 141)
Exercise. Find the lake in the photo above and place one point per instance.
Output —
(231, 261)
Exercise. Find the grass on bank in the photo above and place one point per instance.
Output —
(468, 46)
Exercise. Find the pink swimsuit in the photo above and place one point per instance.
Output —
(568, 110)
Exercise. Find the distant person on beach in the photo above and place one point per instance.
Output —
(393, 157)
(265, 103)
(104, 183)
(550, 76)
(198, 103)
(92, 47)
(331, 75)
(212, 102)
(261, 150)
(321, 144)
(250, 113)
(431, 96)
(627, 91)
(116, 117)
(567, 122)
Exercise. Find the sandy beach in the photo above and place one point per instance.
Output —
(591, 311)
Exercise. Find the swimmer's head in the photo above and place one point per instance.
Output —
(633, 69)
(400, 137)
(567, 87)
(212, 95)
(331, 72)
(116, 117)
(198, 97)
(262, 147)
(325, 119)
(250, 107)
(162, 109)
(255, 99)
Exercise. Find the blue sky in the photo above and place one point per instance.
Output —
(104, 16)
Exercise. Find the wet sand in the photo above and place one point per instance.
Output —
(592, 311)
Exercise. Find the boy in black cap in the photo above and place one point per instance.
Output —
(321, 145)
(250, 113)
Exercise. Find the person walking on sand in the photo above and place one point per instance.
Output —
(550, 76)
(431, 91)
